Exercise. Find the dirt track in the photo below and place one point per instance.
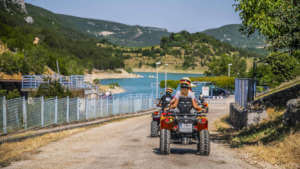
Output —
(126, 144)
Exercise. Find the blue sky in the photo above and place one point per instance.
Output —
(175, 15)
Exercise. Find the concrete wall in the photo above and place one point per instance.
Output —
(255, 111)
(292, 114)
(241, 117)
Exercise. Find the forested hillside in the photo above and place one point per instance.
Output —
(51, 38)
(56, 42)
(117, 33)
(196, 51)
(232, 35)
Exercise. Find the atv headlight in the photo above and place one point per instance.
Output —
(169, 120)
(202, 120)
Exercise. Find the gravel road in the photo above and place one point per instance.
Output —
(126, 144)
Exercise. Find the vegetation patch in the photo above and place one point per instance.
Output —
(270, 141)
(224, 82)
(113, 85)
(19, 150)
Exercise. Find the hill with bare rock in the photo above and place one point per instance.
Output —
(196, 52)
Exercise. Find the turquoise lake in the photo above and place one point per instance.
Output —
(145, 85)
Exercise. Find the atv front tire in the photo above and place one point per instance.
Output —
(154, 129)
(203, 143)
(164, 145)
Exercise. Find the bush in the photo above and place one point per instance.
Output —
(170, 84)
(96, 81)
(129, 70)
(113, 85)
(224, 82)
(53, 89)
(10, 94)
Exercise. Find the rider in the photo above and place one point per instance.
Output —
(185, 91)
(166, 99)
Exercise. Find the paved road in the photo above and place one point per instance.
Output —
(126, 144)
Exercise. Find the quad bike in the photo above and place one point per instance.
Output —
(155, 123)
(184, 126)
(203, 104)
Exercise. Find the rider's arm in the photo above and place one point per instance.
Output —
(195, 105)
(160, 101)
(174, 103)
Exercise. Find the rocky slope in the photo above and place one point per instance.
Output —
(19, 3)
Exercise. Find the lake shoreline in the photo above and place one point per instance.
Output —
(98, 74)
(146, 84)
(168, 71)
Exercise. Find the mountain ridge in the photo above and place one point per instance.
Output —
(231, 34)
(115, 32)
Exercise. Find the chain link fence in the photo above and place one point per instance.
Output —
(21, 114)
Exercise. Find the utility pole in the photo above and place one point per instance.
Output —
(57, 67)
(230, 64)
(157, 63)
(166, 77)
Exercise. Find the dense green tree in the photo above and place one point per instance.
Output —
(219, 66)
(278, 21)
(282, 65)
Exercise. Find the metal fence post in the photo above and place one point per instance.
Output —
(77, 109)
(55, 110)
(24, 113)
(107, 105)
(86, 108)
(68, 109)
(95, 103)
(112, 105)
(101, 107)
(119, 105)
(133, 98)
(42, 111)
(4, 115)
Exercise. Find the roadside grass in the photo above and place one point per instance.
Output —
(15, 151)
(19, 150)
(222, 125)
(284, 153)
(269, 141)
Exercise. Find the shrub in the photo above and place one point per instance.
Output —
(10, 94)
(53, 89)
(113, 85)
(170, 84)
(224, 82)
(129, 70)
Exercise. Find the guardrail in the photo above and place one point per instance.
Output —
(22, 114)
